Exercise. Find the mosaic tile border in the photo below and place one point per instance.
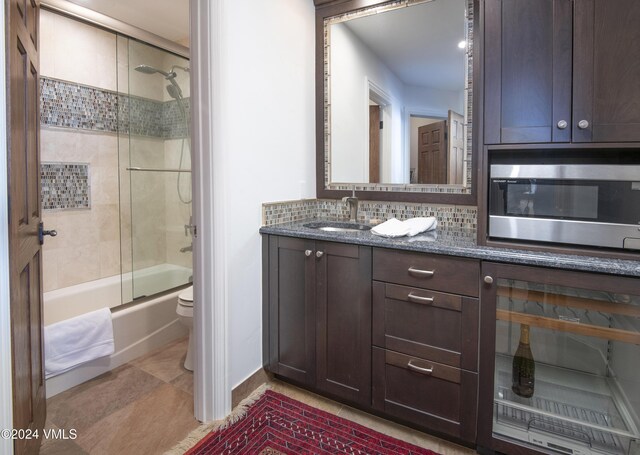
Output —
(65, 186)
(370, 212)
(70, 105)
(413, 188)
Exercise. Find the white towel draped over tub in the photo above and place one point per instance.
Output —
(70, 343)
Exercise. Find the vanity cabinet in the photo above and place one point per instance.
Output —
(559, 71)
(425, 340)
(319, 315)
(388, 330)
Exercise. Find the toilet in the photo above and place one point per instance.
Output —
(185, 314)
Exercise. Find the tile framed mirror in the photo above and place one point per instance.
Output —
(395, 100)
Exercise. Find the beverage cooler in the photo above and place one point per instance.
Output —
(560, 362)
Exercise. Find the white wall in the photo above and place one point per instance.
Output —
(266, 73)
(436, 101)
(352, 62)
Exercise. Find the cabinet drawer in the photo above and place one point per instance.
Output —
(427, 324)
(441, 273)
(429, 394)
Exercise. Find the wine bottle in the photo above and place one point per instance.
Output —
(524, 367)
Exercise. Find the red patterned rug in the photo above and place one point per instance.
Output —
(277, 425)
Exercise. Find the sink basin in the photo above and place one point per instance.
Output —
(337, 226)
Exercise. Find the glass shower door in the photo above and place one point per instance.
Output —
(155, 174)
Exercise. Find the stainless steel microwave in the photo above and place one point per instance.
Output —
(579, 204)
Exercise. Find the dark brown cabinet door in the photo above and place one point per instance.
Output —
(291, 309)
(528, 49)
(344, 321)
(606, 92)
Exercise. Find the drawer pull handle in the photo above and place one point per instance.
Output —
(418, 299)
(418, 369)
(421, 273)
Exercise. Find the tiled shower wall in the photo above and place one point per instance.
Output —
(88, 243)
(84, 82)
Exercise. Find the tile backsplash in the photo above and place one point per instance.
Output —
(374, 212)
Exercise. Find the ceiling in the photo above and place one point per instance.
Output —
(166, 18)
(419, 43)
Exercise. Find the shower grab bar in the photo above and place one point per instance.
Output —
(155, 169)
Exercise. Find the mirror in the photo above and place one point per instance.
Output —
(397, 97)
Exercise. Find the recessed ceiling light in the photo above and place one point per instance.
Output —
(462, 44)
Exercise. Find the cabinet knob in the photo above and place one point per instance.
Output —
(562, 124)
(583, 124)
(488, 279)
(308, 253)
(319, 254)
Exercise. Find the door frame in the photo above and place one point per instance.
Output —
(6, 389)
(212, 397)
(377, 94)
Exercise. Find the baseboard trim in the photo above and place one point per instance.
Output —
(246, 387)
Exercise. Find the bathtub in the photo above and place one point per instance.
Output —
(138, 328)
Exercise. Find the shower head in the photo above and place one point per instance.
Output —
(146, 69)
(174, 91)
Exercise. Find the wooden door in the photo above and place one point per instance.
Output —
(455, 148)
(292, 308)
(432, 153)
(374, 144)
(606, 71)
(344, 321)
(25, 252)
(528, 48)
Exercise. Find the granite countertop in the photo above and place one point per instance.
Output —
(461, 243)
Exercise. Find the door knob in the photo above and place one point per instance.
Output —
(583, 124)
(319, 254)
(562, 124)
(488, 279)
(308, 253)
(42, 233)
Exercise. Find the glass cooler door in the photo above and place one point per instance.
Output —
(584, 372)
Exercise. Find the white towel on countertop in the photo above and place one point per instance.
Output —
(421, 224)
(74, 341)
(413, 226)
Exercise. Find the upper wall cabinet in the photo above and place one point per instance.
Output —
(562, 71)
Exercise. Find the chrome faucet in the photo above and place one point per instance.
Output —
(186, 248)
(352, 203)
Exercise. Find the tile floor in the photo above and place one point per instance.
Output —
(142, 407)
(146, 407)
